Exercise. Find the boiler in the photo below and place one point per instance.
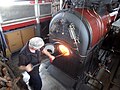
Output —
(78, 34)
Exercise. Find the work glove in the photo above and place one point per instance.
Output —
(52, 58)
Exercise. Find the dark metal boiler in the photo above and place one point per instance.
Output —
(80, 32)
(85, 40)
(80, 28)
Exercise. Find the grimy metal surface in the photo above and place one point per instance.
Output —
(23, 12)
(17, 12)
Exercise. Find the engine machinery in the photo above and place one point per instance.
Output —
(78, 33)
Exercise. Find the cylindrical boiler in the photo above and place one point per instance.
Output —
(81, 29)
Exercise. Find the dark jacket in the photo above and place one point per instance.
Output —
(26, 57)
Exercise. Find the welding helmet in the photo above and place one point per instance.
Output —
(36, 42)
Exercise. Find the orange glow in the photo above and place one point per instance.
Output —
(64, 50)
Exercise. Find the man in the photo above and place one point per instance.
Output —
(29, 56)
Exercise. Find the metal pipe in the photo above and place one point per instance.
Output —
(37, 15)
(61, 4)
(6, 51)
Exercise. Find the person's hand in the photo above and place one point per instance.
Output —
(52, 58)
(29, 67)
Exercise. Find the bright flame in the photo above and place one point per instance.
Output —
(64, 50)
